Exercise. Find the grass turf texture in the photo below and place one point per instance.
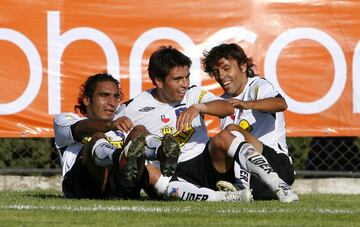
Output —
(49, 208)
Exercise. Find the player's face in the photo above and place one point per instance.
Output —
(174, 87)
(231, 77)
(104, 102)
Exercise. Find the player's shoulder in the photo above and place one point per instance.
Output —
(143, 102)
(140, 98)
(67, 118)
(258, 81)
(196, 89)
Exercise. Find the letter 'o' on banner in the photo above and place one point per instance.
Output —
(35, 66)
(337, 56)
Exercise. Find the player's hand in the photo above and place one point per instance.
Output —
(185, 118)
(239, 104)
(123, 124)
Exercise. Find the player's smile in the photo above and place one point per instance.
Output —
(230, 76)
(175, 85)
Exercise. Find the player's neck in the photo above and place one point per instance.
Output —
(161, 97)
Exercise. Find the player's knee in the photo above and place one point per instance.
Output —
(137, 131)
(222, 140)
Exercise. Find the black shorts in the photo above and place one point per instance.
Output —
(281, 165)
(79, 184)
(200, 171)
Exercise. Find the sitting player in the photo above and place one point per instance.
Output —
(258, 109)
(174, 109)
(97, 160)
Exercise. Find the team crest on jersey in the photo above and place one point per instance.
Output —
(167, 130)
(165, 118)
(146, 109)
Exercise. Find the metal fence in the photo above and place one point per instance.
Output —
(312, 157)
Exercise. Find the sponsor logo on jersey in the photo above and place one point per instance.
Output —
(165, 118)
(146, 109)
(69, 116)
(256, 91)
(183, 136)
(245, 125)
(167, 130)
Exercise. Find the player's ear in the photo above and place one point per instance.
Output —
(158, 83)
(243, 67)
(86, 101)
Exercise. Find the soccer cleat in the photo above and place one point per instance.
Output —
(243, 196)
(233, 194)
(286, 194)
(168, 154)
(133, 153)
(226, 186)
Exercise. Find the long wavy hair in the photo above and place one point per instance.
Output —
(87, 89)
(227, 51)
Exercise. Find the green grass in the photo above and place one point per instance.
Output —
(48, 208)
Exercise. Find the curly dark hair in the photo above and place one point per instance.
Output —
(227, 51)
(163, 60)
(87, 89)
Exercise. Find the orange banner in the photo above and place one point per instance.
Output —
(309, 50)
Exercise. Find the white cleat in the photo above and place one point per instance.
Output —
(226, 186)
(233, 194)
(286, 194)
(243, 196)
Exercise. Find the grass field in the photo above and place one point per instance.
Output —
(48, 208)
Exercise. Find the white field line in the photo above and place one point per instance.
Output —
(142, 209)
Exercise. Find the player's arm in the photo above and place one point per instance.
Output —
(271, 105)
(88, 127)
(219, 108)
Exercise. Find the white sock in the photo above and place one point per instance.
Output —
(162, 184)
(235, 144)
(257, 164)
(184, 190)
(153, 142)
(242, 176)
(102, 153)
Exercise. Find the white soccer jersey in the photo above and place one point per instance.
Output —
(160, 119)
(269, 128)
(69, 148)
